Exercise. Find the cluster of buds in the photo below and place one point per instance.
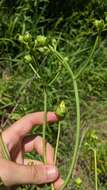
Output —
(41, 44)
(25, 38)
(99, 24)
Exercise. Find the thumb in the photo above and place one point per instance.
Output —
(14, 174)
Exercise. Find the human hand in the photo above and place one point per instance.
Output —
(17, 171)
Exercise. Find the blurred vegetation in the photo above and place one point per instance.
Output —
(73, 26)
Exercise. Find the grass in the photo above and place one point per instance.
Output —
(73, 45)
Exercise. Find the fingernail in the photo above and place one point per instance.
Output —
(52, 173)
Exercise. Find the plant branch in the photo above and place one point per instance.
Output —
(44, 125)
(56, 148)
(95, 163)
(57, 141)
(73, 158)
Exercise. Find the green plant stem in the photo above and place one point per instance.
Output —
(4, 149)
(8, 40)
(73, 158)
(52, 186)
(57, 141)
(53, 80)
(95, 163)
(56, 148)
(34, 70)
(44, 126)
(89, 58)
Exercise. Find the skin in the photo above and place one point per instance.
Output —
(20, 170)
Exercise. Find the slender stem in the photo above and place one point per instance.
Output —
(8, 40)
(4, 149)
(95, 163)
(73, 158)
(56, 76)
(44, 130)
(45, 115)
(44, 125)
(53, 80)
(89, 58)
(52, 186)
(56, 148)
(57, 142)
(34, 70)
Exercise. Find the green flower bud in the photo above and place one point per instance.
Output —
(78, 181)
(106, 18)
(99, 24)
(40, 40)
(21, 39)
(43, 50)
(66, 59)
(94, 136)
(27, 58)
(61, 109)
(27, 37)
(86, 144)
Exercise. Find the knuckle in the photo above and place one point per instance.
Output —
(38, 138)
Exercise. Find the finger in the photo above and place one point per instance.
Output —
(36, 143)
(37, 174)
(19, 157)
(31, 143)
(24, 125)
(31, 162)
(58, 183)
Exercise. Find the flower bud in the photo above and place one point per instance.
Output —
(66, 59)
(27, 58)
(99, 24)
(27, 37)
(86, 144)
(78, 181)
(43, 50)
(40, 40)
(21, 39)
(61, 109)
(94, 136)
